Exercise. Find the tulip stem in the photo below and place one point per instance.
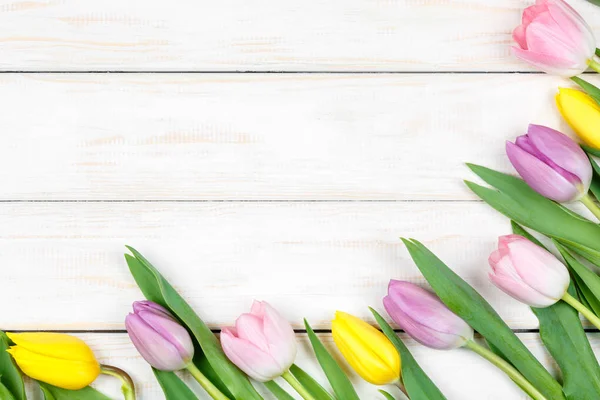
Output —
(594, 64)
(507, 368)
(291, 379)
(591, 205)
(401, 387)
(211, 389)
(589, 315)
(128, 387)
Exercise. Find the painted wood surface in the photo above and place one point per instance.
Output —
(261, 35)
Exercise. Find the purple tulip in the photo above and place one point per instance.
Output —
(424, 317)
(528, 272)
(551, 163)
(160, 339)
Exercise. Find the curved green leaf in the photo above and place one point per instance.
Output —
(56, 393)
(313, 387)
(10, 376)
(156, 288)
(337, 378)
(464, 301)
(5, 394)
(386, 395)
(173, 387)
(590, 89)
(277, 391)
(417, 383)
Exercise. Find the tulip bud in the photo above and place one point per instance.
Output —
(424, 317)
(366, 349)
(528, 272)
(554, 38)
(158, 336)
(551, 163)
(58, 359)
(262, 344)
(582, 113)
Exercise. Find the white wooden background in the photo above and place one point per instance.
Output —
(255, 149)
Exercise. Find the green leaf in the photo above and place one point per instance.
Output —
(277, 391)
(56, 393)
(156, 288)
(464, 301)
(590, 89)
(313, 387)
(564, 337)
(173, 387)
(515, 199)
(386, 395)
(10, 376)
(5, 394)
(417, 383)
(337, 378)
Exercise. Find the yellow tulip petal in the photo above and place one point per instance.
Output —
(366, 349)
(582, 113)
(56, 345)
(67, 374)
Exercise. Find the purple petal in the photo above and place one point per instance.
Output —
(171, 331)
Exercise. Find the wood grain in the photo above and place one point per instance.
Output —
(237, 35)
(460, 374)
(260, 137)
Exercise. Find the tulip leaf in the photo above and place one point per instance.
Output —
(417, 383)
(564, 337)
(173, 387)
(515, 199)
(590, 89)
(10, 376)
(278, 391)
(386, 395)
(156, 288)
(465, 302)
(313, 387)
(56, 393)
(337, 378)
(5, 394)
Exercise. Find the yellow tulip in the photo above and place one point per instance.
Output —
(60, 360)
(582, 113)
(366, 349)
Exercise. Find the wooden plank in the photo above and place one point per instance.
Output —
(260, 137)
(235, 35)
(63, 262)
(453, 371)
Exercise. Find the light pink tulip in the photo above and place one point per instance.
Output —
(554, 38)
(528, 272)
(262, 344)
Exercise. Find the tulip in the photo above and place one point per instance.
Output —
(367, 350)
(424, 317)
(57, 359)
(582, 113)
(164, 343)
(551, 163)
(532, 275)
(263, 345)
(554, 38)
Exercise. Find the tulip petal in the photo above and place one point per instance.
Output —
(55, 345)
(250, 328)
(545, 36)
(171, 331)
(518, 290)
(573, 25)
(548, 63)
(280, 335)
(254, 362)
(541, 177)
(582, 113)
(531, 12)
(520, 36)
(151, 306)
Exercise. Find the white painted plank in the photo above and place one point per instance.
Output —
(63, 262)
(223, 136)
(230, 35)
(460, 374)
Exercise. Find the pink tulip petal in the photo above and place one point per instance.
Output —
(541, 177)
(255, 363)
(280, 335)
(250, 328)
(531, 12)
(544, 36)
(573, 26)
(519, 36)
(520, 291)
(547, 63)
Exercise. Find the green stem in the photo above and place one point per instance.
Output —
(507, 368)
(589, 315)
(591, 205)
(594, 64)
(127, 387)
(401, 387)
(291, 379)
(211, 389)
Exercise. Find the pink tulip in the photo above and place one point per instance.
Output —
(424, 317)
(262, 344)
(528, 272)
(551, 163)
(554, 38)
